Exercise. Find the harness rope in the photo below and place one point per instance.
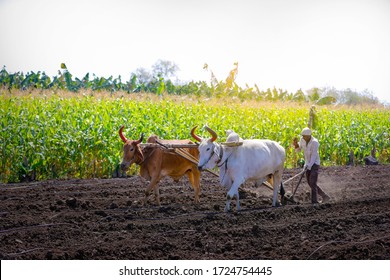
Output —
(139, 162)
(184, 154)
(225, 162)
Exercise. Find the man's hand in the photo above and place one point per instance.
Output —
(295, 142)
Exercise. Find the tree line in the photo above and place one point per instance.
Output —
(162, 79)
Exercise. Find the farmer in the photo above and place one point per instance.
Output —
(310, 146)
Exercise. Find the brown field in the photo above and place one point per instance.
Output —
(103, 219)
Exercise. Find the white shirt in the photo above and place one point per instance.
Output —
(310, 151)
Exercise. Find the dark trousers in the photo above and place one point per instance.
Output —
(311, 177)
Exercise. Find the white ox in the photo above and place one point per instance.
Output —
(255, 160)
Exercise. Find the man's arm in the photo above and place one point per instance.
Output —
(296, 144)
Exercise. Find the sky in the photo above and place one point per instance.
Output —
(285, 44)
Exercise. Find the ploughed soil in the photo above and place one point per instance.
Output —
(104, 219)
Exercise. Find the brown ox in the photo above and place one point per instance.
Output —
(155, 163)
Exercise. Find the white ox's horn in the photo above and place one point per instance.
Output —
(196, 137)
(214, 135)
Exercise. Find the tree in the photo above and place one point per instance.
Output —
(314, 94)
(143, 76)
(299, 96)
(165, 69)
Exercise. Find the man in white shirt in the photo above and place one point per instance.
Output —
(310, 146)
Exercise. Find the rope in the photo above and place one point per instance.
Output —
(35, 226)
(191, 158)
(25, 251)
(346, 241)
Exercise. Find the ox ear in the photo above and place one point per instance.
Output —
(214, 135)
(121, 134)
(196, 137)
(140, 153)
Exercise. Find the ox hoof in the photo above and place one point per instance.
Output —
(277, 204)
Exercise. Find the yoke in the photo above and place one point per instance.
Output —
(178, 149)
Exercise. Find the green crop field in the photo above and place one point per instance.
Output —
(48, 135)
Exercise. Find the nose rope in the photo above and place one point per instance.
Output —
(139, 162)
(145, 156)
(220, 156)
(211, 155)
(225, 162)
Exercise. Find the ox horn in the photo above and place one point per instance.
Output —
(140, 139)
(196, 137)
(212, 132)
(121, 134)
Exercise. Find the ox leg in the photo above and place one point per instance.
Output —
(277, 179)
(270, 179)
(227, 206)
(194, 178)
(230, 195)
(238, 201)
(152, 185)
(157, 194)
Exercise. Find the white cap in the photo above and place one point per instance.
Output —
(306, 131)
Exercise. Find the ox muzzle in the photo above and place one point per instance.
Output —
(125, 166)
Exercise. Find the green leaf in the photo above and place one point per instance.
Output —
(326, 100)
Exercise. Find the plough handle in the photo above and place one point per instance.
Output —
(300, 179)
(300, 173)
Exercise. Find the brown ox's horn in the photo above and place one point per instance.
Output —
(212, 132)
(196, 137)
(140, 139)
(121, 134)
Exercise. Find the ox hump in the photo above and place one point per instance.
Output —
(152, 139)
